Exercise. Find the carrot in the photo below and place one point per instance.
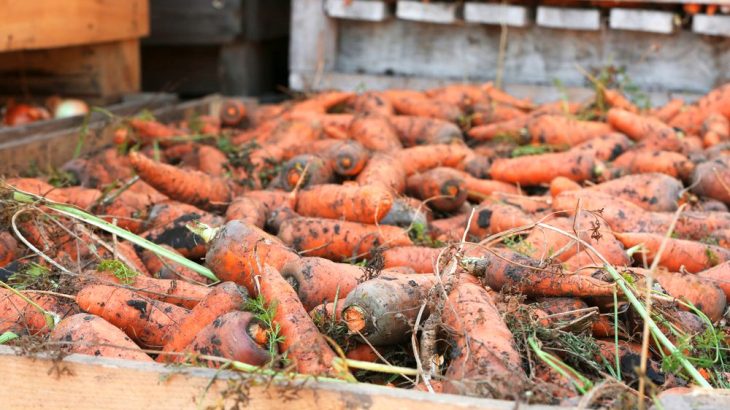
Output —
(487, 113)
(712, 179)
(407, 212)
(544, 243)
(703, 294)
(606, 147)
(375, 133)
(422, 259)
(652, 191)
(37, 187)
(161, 268)
(193, 187)
(239, 250)
(383, 309)
(177, 235)
(719, 275)
(362, 352)
(493, 217)
(318, 280)
(223, 298)
(210, 160)
(485, 352)
(500, 96)
(464, 96)
(232, 112)
(371, 103)
(444, 189)
(691, 146)
(20, 317)
(82, 197)
(166, 212)
(423, 107)
(691, 119)
(414, 131)
(557, 107)
(645, 161)
(629, 360)
(234, 335)
(615, 99)
(449, 229)
(562, 130)
(8, 248)
(384, 170)
(425, 157)
(477, 165)
(510, 271)
(541, 169)
(147, 321)
(348, 158)
(327, 311)
(91, 335)
(356, 203)
(247, 209)
(651, 132)
(715, 129)
(561, 309)
(511, 129)
(478, 189)
(338, 240)
(562, 184)
(693, 256)
(318, 171)
(321, 103)
(278, 216)
(148, 131)
(302, 342)
(668, 111)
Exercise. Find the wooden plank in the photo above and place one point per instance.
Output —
(434, 12)
(652, 21)
(105, 69)
(313, 42)
(265, 19)
(40, 24)
(711, 25)
(568, 18)
(494, 13)
(193, 22)
(186, 70)
(366, 10)
(81, 382)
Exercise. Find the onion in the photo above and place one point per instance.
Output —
(70, 108)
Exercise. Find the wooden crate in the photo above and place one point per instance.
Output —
(72, 47)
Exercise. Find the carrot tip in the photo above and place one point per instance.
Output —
(354, 317)
(258, 333)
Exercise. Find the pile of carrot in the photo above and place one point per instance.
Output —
(460, 231)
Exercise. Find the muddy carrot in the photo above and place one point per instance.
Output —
(606, 147)
(651, 191)
(318, 280)
(497, 95)
(414, 131)
(487, 113)
(422, 259)
(562, 130)
(318, 171)
(667, 111)
(541, 169)
(673, 164)
(425, 157)
(443, 189)
(464, 96)
(348, 158)
(148, 131)
(383, 309)
(651, 132)
(424, 107)
(177, 235)
(712, 179)
(407, 212)
(510, 129)
(385, 170)
(693, 255)
(232, 112)
(247, 209)
(8, 248)
(720, 275)
(356, 203)
(493, 217)
(715, 129)
(38, 187)
(371, 103)
(20, 317)
(375, 133)
(234, 335)
(162, 268)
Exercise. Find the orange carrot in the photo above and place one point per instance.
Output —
(643, 161)
(234, 335)
(414, 131)
(91, 335)
(561, 130)
(302, 342)
(318, 280)
(510, 129)
(500, 96)
(444, 189)
(478, 189)
(356, 203)
(615, 99)
(423, 107)
(694, 256)
(20, 317)
(487, 113)
(232, 112)
(147, 321)
(161, 268)
(651, 132)
(339, 240)
(464, 96)
(541, 169)
(715, 129)
(407, 212)
(8, 248)
(557, 107)
(382, 309)
(493, 217)
(318, 171)
(384, 170)
(605, 147)
(712, 179)
(484, 346)
(425, 157)
(374, 133)
(37, 187)
(691, 119)
(449, 229)
(148, 131)
(321, 103)
(223, 298)
(371, 103)
(82, 197)
(719, 275)
(653, 191)
(239, 250)
(666, 112)
(177, 235)
(247, 209)
(193, 187)
(422, 259)
(561, 184)
(348, 158)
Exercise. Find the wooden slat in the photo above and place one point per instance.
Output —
(39, 24)
(193, 22)
(85, 382)
(105, 69)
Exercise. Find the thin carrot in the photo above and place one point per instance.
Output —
(720, 275)
(487, 113)
(166, 269)
(356, 203)
(666, 112)
(693, 256)
(510, 129)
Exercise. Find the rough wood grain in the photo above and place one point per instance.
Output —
(193, 22)
(41, 24)
(84, 382)
(313, 41)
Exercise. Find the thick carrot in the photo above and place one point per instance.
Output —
(177, 235)
(562, 184)
(356, 203)
(487, 113)
(719, 275)
(271, 198)
(82, 197)
(420, 258)
(327, 312)
(147, 321)
(667, 111)
(232, 112)
(91, 335)
(162, 268)
(715, 129)
(247, 209)
(562, 130)
(20, 317)
(8, 248)
(673, 164)
(339, 240)
(691, 146)
(375, 133)
(443, 189)
(166, 212)
(477, 165)
(712, 179)
(234, 335)
(278, 216)
(424, 107)
(510, 129)
(485, 352)
(615, 99)
(463, 95)
(384, 308)
(541, 169)
(318, 171)
(493, 217)
(321, 103)
(510, 271)
(691, 119)
(348, 158)
(544, 243)
(425, 157)
(606, 147)
(652, 191)
(371, 103)
(384, 170)
(362, 352)
(318, 280)
(193, 187)
(239, 250)
(407, 212)
(478, 188)
(414, 131)
(302, 342)
(692, 255)
(449, 229)
(651, 132)
(210, 160)
(225, 297)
